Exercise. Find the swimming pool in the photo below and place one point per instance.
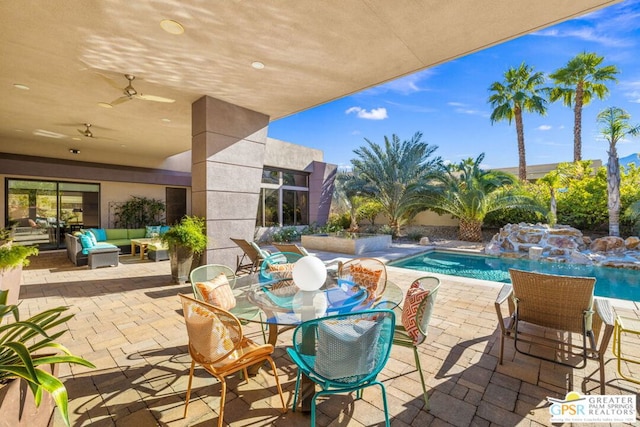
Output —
(610, 282)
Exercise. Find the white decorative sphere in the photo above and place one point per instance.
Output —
(309, 273)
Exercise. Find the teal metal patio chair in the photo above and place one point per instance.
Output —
(343, 353)
(416, 315)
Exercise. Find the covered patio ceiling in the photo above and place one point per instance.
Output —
(73, 55)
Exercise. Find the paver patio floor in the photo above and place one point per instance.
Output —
(129, 324)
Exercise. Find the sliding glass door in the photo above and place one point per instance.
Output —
(40, 212)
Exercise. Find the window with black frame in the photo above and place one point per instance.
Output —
(284, 198)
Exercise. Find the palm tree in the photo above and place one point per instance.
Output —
(553, 181)
(516, 94)
(396, 174)
(615, 126)
(347, 193)
(469, 193)
(576, 85)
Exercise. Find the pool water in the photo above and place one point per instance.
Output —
(618, 283)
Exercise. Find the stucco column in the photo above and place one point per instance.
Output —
(228, 145)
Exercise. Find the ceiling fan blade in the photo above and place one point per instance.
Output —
(154, 98)
(120, 100)
(81, 132)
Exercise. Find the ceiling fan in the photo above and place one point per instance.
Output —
(129, 92)
(86, 132)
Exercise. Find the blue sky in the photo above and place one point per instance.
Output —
(448, 103)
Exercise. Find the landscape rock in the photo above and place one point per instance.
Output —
(608, 244)
(563, 243)
(632, 242)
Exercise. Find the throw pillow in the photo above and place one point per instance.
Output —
(346, 348)
(366, 277)
(208, 336)
(86, 242)
(164, 229)
(91, 236)
(281, 271)
(100, 234)
(217, 291)
(415, 295)
(152, 231)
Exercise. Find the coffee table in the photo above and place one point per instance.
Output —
(142, 244)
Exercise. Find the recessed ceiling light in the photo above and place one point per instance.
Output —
(21, 86)
(75, 138)
(171, 26)
(105, 105)
(166, 120)
(257, 65)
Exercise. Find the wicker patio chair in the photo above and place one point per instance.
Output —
(416, 315)
(562, 304)
(370, 273)
(343, 353)
(291, 247)
(252, 252)
(216, 343)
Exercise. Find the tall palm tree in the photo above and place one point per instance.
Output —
(518, 93)
(396, 174)
(615, 126)
(577, 84)
(469, 193)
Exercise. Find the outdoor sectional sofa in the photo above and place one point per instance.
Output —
(118, 237)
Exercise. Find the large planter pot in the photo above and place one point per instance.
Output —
(17, 405)
(181, 260)
(10, 279)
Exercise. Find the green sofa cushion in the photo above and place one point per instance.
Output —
(119, 242)
(136, 233)
(116, 233)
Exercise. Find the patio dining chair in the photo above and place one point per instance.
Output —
(251, 258)
(369, 273)
(567, 310)
(214, 283)
(416, 315)
(217, 343)
(343, 353)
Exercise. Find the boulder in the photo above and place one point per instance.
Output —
(632, 242)
(608, 244)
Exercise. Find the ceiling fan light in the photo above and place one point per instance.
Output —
(171, 26)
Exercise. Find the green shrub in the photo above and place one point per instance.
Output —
(190, 232)
(339, 222)
(14, 255)
(286, 235)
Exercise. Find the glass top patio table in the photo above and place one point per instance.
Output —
(280, 303)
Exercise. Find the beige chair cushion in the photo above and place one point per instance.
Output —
(217, 291)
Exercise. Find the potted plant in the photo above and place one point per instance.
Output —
(29, 354)
(12, 259)
(185, 239)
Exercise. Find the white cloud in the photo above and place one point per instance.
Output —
(405, 85)
(544, 127)
(374, 114)
(457, 104)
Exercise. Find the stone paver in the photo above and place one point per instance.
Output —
(128, 322)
